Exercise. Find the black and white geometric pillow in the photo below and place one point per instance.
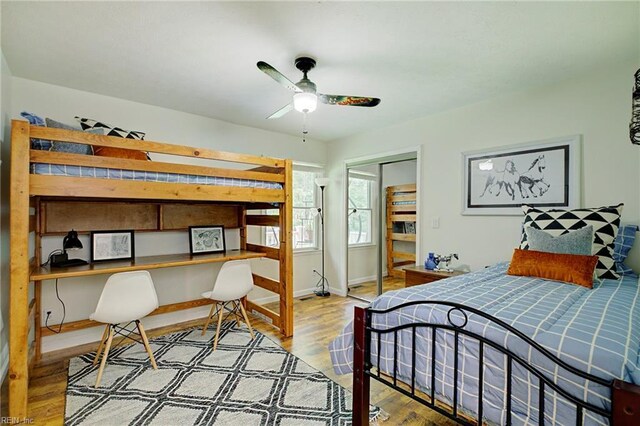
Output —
(88, 123)
(605, 222)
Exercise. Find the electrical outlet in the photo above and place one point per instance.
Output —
(48, 314)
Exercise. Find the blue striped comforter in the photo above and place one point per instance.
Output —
(596, 331)
(121, 174)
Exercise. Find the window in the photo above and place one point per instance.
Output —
(305, 213)
(360, 211)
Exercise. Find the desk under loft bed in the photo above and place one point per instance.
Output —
(51, 192)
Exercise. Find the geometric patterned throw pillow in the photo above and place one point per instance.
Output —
(605, 222)
(88, 123)
(109, 130)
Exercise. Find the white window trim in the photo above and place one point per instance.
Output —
(371, 178)
(318, 169)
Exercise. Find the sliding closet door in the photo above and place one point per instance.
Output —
(377, 248)
(362, 231)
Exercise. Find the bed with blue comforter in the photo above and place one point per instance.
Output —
(594, 330)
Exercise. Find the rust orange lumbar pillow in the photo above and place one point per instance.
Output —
(106, 151)
(569, 268)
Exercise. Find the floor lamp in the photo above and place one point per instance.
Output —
(320, 285)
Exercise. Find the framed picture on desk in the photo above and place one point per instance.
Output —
(206, 239)
(112, 245)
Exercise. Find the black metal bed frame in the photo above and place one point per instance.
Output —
(625, 397)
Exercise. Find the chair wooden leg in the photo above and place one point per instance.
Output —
(236, 313)
(105, 356)
(246, 320)
(206, 323)
(143, 335)
(101, 345)
(215, 341)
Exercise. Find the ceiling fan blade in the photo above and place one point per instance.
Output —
(282, 111)
(348, 100)
(277, 76)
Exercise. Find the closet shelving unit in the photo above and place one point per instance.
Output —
(401, 210)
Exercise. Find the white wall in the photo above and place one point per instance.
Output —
(5, 105)
(596, 106)
(160, 124)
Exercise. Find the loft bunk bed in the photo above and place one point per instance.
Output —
(401, 226)
(54, 191)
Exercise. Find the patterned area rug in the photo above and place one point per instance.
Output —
(244, 382)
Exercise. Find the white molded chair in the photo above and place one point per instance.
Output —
(234, 282)
(126, 298)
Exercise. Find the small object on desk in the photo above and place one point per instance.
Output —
(430, 262)
(416, 275)
(444, 262)
(69, 242)
(69, 262)
(206, 239)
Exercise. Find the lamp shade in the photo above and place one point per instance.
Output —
(71, 241)
(305, 102)
(322, 182)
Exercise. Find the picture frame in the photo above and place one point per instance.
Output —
(112, 245)
(498, 181)
(206, 239)
(409, 227)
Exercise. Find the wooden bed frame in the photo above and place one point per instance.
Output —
(625, 397)
(40, 204)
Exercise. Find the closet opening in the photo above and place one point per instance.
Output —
(381, 222)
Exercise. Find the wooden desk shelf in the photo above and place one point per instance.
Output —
(140, 263)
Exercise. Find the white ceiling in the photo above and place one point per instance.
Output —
(419, 57)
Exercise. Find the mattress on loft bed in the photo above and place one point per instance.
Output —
(120, 174)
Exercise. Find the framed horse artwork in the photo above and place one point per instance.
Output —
(545, 173)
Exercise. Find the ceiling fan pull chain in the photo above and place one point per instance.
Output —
(304, 127)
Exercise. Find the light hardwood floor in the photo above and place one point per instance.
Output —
(368, 290)
(317, 322)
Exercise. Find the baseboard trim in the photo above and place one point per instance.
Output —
(271, 299)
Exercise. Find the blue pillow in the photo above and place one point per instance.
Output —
(577, 242)
(72, 148)
(34, 120)
(621, 247)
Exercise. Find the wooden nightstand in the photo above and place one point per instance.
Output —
(415, 275)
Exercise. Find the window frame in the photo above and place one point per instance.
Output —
(317, 171)
(370, 183)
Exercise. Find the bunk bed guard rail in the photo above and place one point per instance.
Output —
(625, 397)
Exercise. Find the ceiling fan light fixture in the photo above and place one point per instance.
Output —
(305, 102)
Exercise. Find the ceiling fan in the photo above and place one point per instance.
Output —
(306, 98)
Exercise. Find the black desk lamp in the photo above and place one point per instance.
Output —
(69, 242)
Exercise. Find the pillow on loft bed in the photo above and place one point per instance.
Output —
(34, 120)
(103, 151)
(72, 148)
(622, 245)
(605, 222)
(48, 145)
